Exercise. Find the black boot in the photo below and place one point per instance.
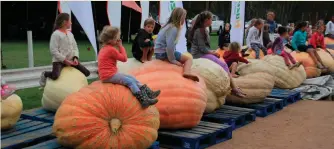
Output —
(143, 99)
(151, 94)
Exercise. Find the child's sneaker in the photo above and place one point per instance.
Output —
(6, 92)
(42, 80)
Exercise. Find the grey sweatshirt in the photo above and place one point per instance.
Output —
(253, 36)
(200, 46)
(166, 42)
(63, 46)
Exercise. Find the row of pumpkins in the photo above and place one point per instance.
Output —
(109, 116)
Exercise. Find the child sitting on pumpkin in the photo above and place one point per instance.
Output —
(278, 48)
(142, 48)
(112, 51)
(232, 57)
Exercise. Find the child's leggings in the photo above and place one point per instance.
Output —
(129, 81)
(58, 66)
(256, 47)
(287, 56)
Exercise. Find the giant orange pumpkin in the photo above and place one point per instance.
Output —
(221, 53)
(181, 102)
(309, 65)
(105, 116)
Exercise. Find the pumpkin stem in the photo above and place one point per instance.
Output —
(115, 124)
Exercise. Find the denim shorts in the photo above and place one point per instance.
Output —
(163, 56)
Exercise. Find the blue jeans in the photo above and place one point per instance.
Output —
(129, 81)
(163, 56)
(256, 47)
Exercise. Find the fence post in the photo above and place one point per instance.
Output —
(30, 50)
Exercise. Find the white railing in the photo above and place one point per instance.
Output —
(29, 77)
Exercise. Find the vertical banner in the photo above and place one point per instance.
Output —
(82, 10)
(237, 21)
(166, 8)
(63, 8)
(145, 7)
(114, 10)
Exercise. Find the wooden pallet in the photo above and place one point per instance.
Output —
(25, 133)
(202, 136)
(288, 96)
(234, 116)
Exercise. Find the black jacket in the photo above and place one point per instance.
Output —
(140, 43)
(224, 38)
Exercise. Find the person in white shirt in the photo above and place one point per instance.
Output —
(330, 28)
(255, 38)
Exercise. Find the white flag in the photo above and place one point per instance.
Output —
(145, 7)
(238, 21)
(63, 8)
(82, 10)
(166, 8)
(114, 10)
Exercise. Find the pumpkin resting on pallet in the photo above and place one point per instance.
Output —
(275, 66)
(310, 67)
(217, 82)
(105, 116)
(11, 109)
(181, 102)
(69, 81)
(257, 86)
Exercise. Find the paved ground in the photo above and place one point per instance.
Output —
(303, 125)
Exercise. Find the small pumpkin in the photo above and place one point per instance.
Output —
(275, 66)
(310, 67)
(217, 82)
(249, 84)
(181, 102)
(11, 109)
(105, 116)
(55, 91)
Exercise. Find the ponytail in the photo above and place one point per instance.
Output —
(199, 23)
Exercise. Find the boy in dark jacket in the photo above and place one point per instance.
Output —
(142, 47)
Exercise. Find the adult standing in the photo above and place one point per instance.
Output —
(330, 28)
(271, 22)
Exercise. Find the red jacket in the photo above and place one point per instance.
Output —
(317, 40)
(231, 56)
(107, 60)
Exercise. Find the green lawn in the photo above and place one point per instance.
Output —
(16, 56)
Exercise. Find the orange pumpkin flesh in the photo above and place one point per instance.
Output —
(181, 102)
(105, 116)
(309, 65)
(252, 54)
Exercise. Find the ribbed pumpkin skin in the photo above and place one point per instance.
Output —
(310, 67)
(257, 86)
(69, 81)
(275, 66)
(84, 119)
(327, 59)
(11, 109)
(217, 82)
(181, 102)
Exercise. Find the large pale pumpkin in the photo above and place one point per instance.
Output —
(217, 82)
(257, 86)
(275, 66)
(181, 102)
(329, 43)
(11, 109)
(327, 59)
(69, 81)
(105, 116)
(309, 65)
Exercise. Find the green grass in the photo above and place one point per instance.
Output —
(16, 56)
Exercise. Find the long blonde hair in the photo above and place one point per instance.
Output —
(108, 33)
(177, 15)
(234, 46)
